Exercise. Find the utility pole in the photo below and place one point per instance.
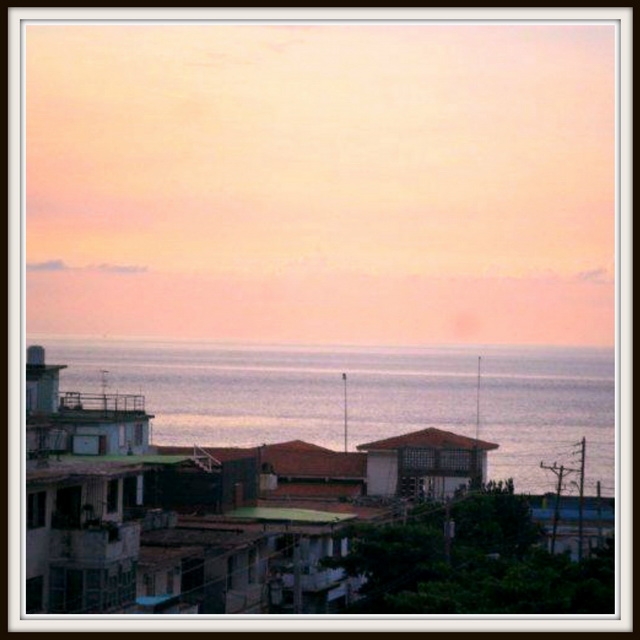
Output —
(477, 470)
(556, 513)
(448, 531)
(344, 377)
(560, 472)
(583, 444)
(103, 385)
(599, 515)
(297, 580)
(478, 400)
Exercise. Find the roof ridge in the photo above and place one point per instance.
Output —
(429, 437)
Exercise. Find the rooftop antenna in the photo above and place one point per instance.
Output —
(477, 463)
(103, 385)
(478, 400)
(344, 377)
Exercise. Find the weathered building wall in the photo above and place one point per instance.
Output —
(382, 473)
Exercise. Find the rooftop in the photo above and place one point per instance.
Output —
(430, 438)
(311, 461)
(315, 490)
(199, 536)
(152, 556)
(66, 466)
(34, 371)
(294, 458)
(297, 445)
(279, 514)
(223, 454)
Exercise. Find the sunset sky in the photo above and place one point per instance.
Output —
(343, 184)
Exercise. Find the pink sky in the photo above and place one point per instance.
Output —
(411, 184)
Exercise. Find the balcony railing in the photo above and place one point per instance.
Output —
(100, 543)
(111, 403)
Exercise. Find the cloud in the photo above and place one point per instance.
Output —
(593, 275)
(49, 265)
(60, 265)
(118, 268)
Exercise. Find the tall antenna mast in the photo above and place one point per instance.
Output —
(477, 473)
(344, 377)
(104, 388)
(478, 400)
(103, 383)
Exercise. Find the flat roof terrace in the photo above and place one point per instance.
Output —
(74, 405)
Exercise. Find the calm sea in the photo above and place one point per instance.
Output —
(536, 403)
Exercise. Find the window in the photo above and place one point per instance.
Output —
(253, 565)
(285, 544)
(138, 436)
(122, 436)
(68, 511)
(36, 509)
(149, 586)
(412, 487)
(231, 565)
(112, 496)
(94, 590)
(65, 590)
(455, 460)
(112, 590)
(74, 590)
(170, 581)
(418, 459)
(91, 590)
(32, 396)
(34, 594)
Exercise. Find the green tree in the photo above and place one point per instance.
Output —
(495, 565)
(539, 584)
(496, 520)
(393, 556)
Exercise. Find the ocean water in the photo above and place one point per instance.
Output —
(536, 403)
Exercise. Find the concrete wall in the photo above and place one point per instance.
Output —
(88, 547)
(48, 389)
(155, 581)
(382, 473)
(120, 436)
(37, 543)
(32, 396)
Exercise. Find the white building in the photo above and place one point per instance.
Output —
(429, 464)
(82, 423)
(81, 551)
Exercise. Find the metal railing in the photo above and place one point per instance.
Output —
(205, 460)
(106, 403)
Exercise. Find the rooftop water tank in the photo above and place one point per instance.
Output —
(35, 355)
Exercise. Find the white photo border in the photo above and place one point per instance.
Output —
(622, 17)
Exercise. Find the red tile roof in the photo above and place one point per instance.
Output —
(314, 463)
(297, 445)
(429, 438)
(295, 458)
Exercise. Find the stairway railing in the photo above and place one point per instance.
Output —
(204, 459)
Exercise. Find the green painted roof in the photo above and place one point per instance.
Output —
(124, 459)
(160, 459)
(289, 515)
